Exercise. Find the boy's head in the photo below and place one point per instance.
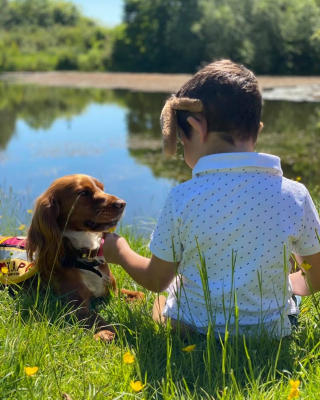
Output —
(225, 94)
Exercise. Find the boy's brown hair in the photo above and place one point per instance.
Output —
(229, 99)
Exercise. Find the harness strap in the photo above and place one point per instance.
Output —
(83, 252)
(4, 239)
(71, 262)
(13, 257)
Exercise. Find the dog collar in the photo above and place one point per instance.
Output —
(82, 263)
(84, 252)
(83, 258)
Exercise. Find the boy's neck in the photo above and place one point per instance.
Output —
(216, 145)
(203, 143)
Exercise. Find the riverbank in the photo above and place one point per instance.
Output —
(273, 87)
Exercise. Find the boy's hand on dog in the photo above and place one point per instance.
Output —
(152, 273)
(113, 246)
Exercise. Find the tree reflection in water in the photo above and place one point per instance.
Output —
(292, 130)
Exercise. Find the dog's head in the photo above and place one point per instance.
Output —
(74, 202)
(79, 203)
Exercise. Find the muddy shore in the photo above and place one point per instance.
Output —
(294, 88)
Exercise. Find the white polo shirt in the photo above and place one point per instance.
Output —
(247, 219)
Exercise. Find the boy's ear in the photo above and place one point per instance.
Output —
(199, 125)
(261, 127)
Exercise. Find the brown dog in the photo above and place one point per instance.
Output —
(64, 241)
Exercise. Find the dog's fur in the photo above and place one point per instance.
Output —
(73, 214)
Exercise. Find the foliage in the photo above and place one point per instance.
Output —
(268, 36)
(158, 35)
(44, 35)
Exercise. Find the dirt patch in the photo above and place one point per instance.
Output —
(102, 80)
(166, 83)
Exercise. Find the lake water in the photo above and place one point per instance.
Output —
(46, 133)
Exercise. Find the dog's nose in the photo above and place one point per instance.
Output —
(119, 204)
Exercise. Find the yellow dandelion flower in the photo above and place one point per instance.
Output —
(306, 266)
(4, 270)
(305, 309)
(137, 386)
(294, 394)
(29, 211)
(294, 384)
(30, 370)
(190, 348)
(294, 391)
(128, 358)
(298, 178)
(21, 227)
(112, 229)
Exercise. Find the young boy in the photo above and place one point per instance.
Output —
(237, 213)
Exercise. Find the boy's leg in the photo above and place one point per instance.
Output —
(158, 307)
(157, 316)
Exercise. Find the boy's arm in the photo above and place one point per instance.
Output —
(153, 274)
(310, 283)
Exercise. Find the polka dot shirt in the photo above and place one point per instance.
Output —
(232, 228)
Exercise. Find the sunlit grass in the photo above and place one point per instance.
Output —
(44, 352)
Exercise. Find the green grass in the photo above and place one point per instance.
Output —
(39, 329)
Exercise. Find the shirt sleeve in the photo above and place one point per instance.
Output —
(308, 242)
(165, 239)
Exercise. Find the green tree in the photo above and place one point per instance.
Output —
(158, 35)
(4, 13)
(283, 33)
(270, 36)
(42, 13)
(49, 34)
(225, 26)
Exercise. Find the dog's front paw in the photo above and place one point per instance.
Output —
(65, 396)
(105, 336)
(131, 295)
(139, 296)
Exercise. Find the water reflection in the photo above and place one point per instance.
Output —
(292, 131)
(40, 106)
(121, 130)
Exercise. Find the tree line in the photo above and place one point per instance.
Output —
(169, 36)
(44, 35)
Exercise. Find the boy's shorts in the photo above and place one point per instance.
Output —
(293, 318)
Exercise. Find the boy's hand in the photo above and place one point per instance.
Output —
(153, 274)
(306, 282)
(113, 247)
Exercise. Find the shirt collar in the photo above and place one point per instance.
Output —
(236, 161)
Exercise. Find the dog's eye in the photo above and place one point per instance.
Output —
(85, 193)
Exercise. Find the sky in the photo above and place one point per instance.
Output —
(109, 12)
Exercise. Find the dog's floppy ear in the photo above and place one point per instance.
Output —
(168, 120)
(44, 235)
(169, 128)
